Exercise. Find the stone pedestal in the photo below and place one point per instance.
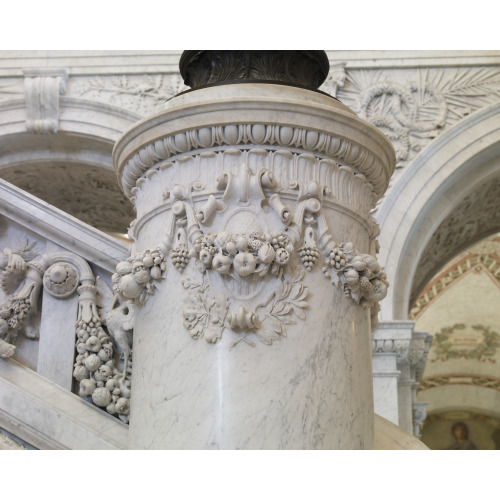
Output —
(252, 269)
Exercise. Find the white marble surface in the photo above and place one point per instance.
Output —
(49, 417)
(311, 389)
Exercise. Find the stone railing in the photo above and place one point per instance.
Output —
(56, 296)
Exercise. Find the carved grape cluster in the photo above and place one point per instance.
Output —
(180, 257)
(309, 255)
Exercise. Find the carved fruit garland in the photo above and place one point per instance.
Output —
(238, 256)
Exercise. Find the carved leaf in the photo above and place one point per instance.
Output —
(267, 336)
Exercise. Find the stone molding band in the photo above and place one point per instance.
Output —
(247, 135)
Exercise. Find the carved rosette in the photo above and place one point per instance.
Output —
(61, 280)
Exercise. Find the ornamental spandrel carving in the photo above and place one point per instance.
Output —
(412, 107)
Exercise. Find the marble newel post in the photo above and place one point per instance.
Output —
(253, 269)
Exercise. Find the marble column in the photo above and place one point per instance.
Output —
(253, 269)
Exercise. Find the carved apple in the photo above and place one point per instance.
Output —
(221, 263)
(101, 396)
(93, 362)
(351, 277)
(87, 387)
(80, 372)
(244, 263)
(129, 287)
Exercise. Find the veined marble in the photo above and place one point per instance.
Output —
(253, 269)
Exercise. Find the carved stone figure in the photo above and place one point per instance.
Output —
(21, 282)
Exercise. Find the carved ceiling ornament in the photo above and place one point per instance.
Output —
(88, 193)
(239, 261)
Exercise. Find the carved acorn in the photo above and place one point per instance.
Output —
(244, 263)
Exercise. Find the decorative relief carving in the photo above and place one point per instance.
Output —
(419, 416)
(480, 345)
(240, 135)
(242, 259)
(477, 260)
(61, 280)
(42, 89)
(483, 381)
(21, 280)
(103, 331)
(412, 106)
(335, 79)
(136, 277)
(136, 93)
(341, 184)
(391, 346)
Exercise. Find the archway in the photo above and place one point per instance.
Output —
(463, 161)
(71, 169)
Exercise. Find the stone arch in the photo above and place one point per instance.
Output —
(463, 161)
(71, 169)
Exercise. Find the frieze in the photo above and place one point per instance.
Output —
(142, 94)
(243, 136)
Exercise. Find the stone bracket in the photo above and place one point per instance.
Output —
(42, 89)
